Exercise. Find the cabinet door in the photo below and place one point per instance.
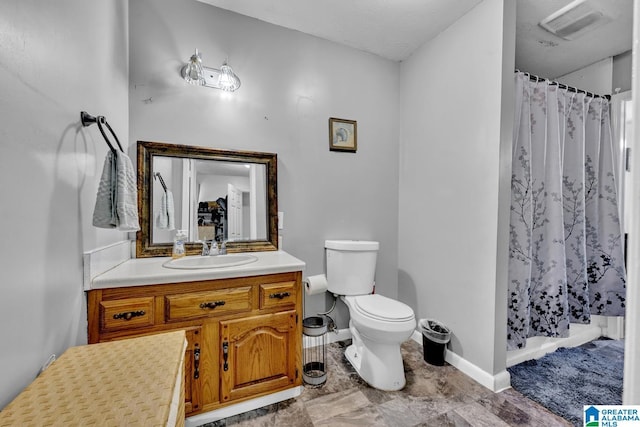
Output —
(192, 373)
(257, 354)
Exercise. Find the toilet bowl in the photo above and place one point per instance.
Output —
(378, 324)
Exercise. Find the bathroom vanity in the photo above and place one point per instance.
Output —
(241, 312)
(243, 325)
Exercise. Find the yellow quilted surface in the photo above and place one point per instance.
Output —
(119, 383)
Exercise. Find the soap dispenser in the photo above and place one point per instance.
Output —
(178, 244)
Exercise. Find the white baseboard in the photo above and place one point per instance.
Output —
(612, 327)
(498, 382)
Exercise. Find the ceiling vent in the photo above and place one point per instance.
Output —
(576, 19)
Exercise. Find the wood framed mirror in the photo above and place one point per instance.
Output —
(210, 193)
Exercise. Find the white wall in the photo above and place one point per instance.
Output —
(631, 386)
(602, 77)
(56, 59)
(596, 78)
(291, 84)
(214, 186)
(622, 68)
(454, 174)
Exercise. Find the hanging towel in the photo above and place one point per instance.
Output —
(103, 213)
(165, 218)
(117, 199)
(126, 194)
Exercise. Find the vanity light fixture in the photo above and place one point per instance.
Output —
(224, 78)
(193, 72)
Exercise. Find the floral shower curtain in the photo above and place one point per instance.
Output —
(566, 255)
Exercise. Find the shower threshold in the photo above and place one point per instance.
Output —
(539, 346)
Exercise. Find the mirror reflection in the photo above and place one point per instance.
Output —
(227, 196)
(211, 199)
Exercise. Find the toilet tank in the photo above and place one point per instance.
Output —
(351, 266)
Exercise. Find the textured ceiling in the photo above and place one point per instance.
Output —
(393, 29)
(544, 54)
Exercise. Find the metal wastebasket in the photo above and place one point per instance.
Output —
(435, 337)
(314, 334)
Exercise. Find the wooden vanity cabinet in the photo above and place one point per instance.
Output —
(255, 355)
(192, 381)
(244, 334)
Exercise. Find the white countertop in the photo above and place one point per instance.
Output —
(149, 271)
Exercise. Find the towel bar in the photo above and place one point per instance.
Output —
(87, 120)
(157, 175)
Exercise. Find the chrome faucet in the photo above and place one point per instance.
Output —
(205, 248)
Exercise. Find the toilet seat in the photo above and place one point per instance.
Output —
(381, 308)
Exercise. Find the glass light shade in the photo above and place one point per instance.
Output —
(193, 72)
(228, 80)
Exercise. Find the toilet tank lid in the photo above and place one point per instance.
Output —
(352, 245)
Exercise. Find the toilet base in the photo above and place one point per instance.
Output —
(380, 365)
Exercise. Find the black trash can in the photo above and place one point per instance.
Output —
(435, 337)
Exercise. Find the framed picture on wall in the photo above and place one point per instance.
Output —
(343, 135)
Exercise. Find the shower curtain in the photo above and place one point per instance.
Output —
(566, 254)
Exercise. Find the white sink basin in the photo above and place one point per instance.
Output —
(217, 261)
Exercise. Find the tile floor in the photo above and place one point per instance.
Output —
(435, 396)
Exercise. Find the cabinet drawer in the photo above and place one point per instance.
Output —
(126, 313)
(208, 303)
(277, 294)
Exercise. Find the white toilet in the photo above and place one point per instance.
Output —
(378, 324)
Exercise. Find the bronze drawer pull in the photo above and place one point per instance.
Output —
(128, 315)
(211, 304)
(280, 295)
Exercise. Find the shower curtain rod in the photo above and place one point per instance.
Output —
(535, 78)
